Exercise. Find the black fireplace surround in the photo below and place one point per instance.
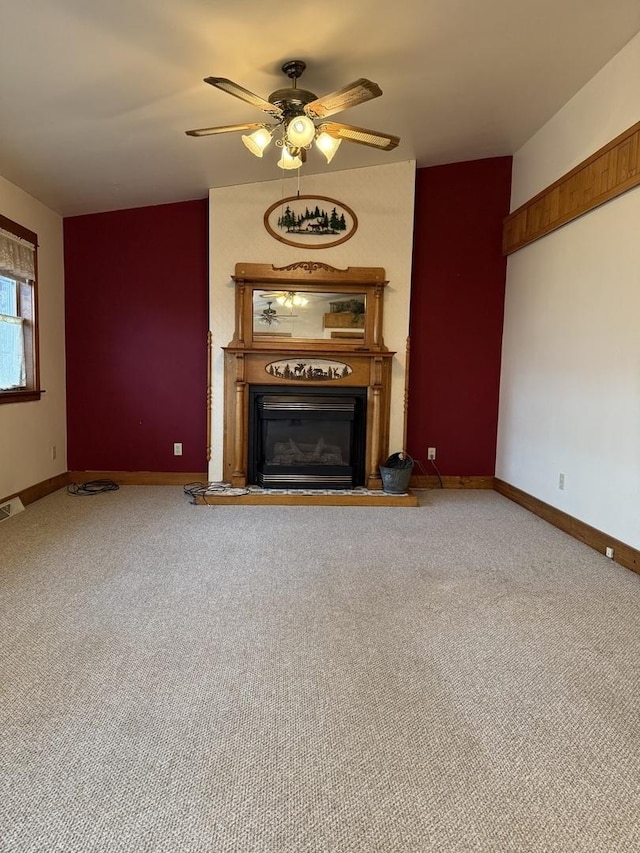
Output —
(306, 437)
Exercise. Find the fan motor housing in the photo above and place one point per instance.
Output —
(292, 101)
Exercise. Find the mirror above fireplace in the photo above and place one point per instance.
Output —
(308, 315)
(308, 304)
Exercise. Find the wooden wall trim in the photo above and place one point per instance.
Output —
(40, 490)
(20, 231)
(608, 173)
(122, 478)
(624, 554)
(140, 478)
(429, 481)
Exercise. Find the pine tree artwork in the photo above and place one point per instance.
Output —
(311, 217)
(317, 221)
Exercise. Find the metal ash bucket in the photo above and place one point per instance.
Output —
(396, 473)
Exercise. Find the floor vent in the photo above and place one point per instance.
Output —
(12, 507)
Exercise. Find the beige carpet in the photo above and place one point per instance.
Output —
(457, 677)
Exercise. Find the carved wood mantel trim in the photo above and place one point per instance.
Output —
(209, 392)
(324, 273)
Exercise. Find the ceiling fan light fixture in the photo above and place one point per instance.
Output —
(289, 161)
(291, 299)
(257, 141)
(328, 145)
(300, 131)
(295, 112)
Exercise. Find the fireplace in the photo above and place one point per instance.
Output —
(307, 437)
(307, 399)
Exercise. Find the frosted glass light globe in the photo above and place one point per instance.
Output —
(300, 131)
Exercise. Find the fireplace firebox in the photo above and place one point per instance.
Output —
(307, 437)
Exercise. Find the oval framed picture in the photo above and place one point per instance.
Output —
(310, 221)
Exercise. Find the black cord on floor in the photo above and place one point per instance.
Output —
(437, 472)
(91, 487)
(193, 489)
(421, 467)
(203, 489)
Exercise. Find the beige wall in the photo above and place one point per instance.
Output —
(28, 431)
(382, 198)
(570, 387)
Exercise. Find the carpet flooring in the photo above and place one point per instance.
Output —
(184, 679)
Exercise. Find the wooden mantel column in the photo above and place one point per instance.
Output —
(239, 474)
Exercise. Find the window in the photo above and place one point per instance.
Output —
(18, 314)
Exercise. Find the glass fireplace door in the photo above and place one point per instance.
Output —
(307, 440)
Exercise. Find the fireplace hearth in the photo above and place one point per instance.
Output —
(314, 439)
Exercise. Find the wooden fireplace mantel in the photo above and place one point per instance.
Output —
(357, 358)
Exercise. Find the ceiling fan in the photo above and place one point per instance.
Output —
(295, 112)
(268, 316)
(285, 298)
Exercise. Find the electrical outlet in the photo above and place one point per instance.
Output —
(177, 448)
(561, 481)
(608, 552)
(54, 452)
(431, 453)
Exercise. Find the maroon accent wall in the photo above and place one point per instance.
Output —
(137, 317)
(136, 285)
(457, 307)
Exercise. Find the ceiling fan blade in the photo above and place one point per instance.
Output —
(349, 96)
(373, 138)
(232, 88)
(227, 128)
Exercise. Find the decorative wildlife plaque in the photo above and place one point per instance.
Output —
(310, 370)
(310, 221)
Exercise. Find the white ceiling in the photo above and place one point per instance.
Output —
(95, 95)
